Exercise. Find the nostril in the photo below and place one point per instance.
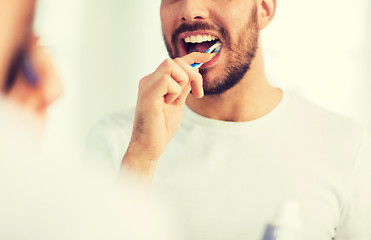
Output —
(196, 17)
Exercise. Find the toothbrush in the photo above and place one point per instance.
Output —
(29, 70)
(23, 62)
(215, 49)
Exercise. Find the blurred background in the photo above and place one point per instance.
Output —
(102, 48)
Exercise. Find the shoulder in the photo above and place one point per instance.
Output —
(114, 123)
(112, 131)
(109, 137)
(323, 127)
(318, 117)
(118, 119)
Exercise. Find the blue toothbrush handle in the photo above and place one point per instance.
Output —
(29, 70)
(196, 65)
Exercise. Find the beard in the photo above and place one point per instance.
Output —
(239, 58)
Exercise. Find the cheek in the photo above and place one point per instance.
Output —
(233, 18)
(168, 19)
(238, 13)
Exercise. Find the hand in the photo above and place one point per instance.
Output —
(16, 18)
(36, 99)
(159, 110)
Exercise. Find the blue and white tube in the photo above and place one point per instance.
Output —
(287, 224)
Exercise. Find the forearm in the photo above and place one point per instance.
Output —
(139, 166)
(159, 112)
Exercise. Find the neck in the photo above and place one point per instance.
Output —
(252, 98)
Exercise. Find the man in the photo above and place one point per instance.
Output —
(229, 147)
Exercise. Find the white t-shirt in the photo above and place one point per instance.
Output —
(229, 179)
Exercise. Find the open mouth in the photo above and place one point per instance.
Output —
(198, 43)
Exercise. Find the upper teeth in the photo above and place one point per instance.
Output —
(199, 38)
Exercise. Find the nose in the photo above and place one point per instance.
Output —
(193, 10)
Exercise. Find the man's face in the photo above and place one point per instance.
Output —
(195, 25)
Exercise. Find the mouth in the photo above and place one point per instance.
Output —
(198, 42)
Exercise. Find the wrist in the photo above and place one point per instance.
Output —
(139, 162)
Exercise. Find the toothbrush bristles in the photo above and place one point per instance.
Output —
(215, 48)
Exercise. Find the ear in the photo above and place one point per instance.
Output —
(266, 10)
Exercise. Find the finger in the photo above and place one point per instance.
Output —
(195, 77)
(52, 83)
(185, 92)
(197, 57)
(170, 67)
(173, 90)
(48, 89)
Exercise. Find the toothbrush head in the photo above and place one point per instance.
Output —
(215, 49)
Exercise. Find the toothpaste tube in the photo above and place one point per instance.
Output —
(286, 226)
